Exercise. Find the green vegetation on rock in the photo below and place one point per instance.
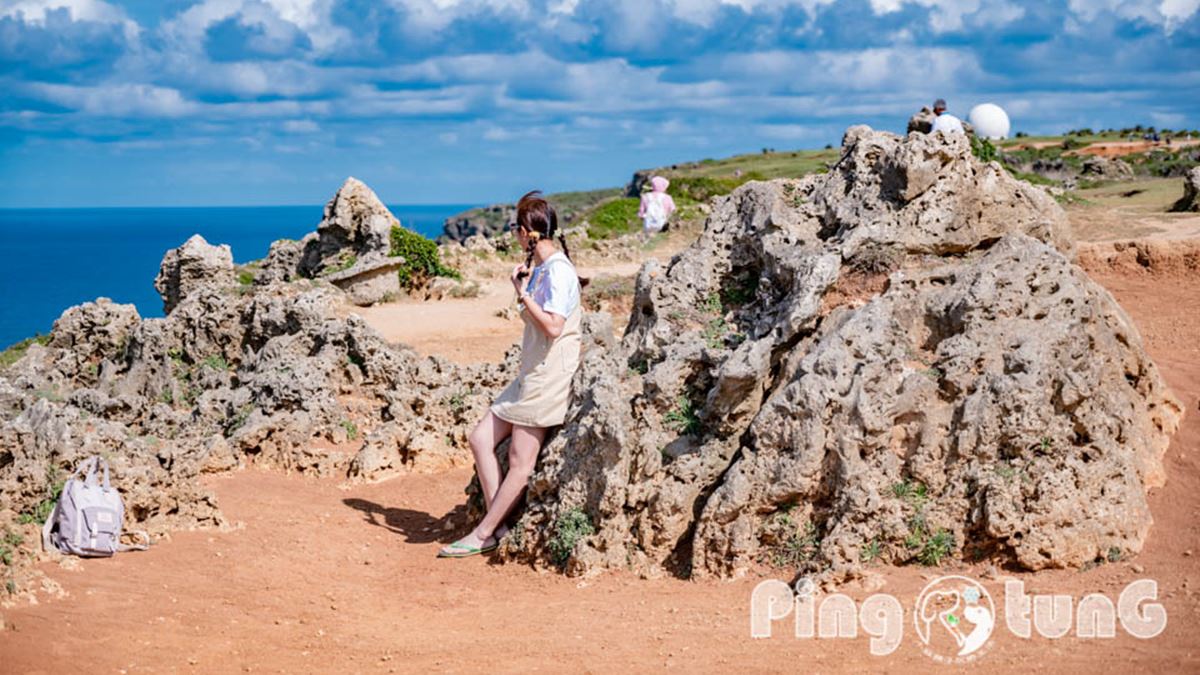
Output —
(15, 352)
(422, 261)
(571, 526)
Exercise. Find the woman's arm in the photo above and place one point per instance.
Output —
(550, 323)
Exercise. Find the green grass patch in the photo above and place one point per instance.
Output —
(572, 526)
(614, 218)
(704, 188)
(983, 149)
(17, 351)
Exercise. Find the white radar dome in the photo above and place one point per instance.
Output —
(989, 120)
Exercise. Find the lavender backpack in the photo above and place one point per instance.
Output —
(89, 515)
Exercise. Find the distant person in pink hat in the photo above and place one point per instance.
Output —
(657, 206)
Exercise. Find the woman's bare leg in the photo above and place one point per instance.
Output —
(489, 433)
(522, 458)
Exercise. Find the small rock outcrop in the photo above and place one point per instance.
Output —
(893, 362)
(1190, 201)
(356, 226)
(921, 121)
(369, 281)
(197, 263)
(1106, 168)
(487, 221)
(351, 249)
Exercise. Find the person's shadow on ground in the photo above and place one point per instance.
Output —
(416, 526)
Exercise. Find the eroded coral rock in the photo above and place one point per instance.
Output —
(197, 263)
(896, 361)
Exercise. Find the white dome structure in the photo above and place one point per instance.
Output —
(989, 120)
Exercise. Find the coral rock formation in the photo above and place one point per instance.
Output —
(896, 361)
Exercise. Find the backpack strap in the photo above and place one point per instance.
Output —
(48, 530)
(90, 468)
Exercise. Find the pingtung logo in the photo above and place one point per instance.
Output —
(955, 618)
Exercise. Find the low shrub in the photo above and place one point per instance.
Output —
(571, 526)
(422, 261)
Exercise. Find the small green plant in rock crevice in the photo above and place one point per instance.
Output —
(799, 544)
(238, 420)
(351, 429)
(935, 548)
(41, 511)
(871, 551)
(215, 362)
(458, 400)
(683, 418)
(570, 527)
(929, 547)
(8, 547)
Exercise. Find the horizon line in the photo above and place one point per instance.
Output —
(227, 206)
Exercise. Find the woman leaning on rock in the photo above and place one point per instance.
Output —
(548, 291)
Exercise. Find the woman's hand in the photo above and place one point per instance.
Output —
(518, 278)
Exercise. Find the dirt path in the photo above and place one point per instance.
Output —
(479, 335)
(1133, 209)
(1124, 148)
(322, 579)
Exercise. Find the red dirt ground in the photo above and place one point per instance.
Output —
(322, 579)
(1125, 148)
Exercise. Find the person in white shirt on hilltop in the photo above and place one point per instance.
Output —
(945, 122)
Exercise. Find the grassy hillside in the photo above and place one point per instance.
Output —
(695, 182)
(609, 213)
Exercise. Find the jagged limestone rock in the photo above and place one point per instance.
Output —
(1190, 201)
(197, 263)
(270, 375)
(894, 361)
(356, 225)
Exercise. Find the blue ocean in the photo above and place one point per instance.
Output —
(55, 258)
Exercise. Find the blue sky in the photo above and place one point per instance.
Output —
(197, 102)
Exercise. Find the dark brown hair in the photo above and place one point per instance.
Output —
(537, 217)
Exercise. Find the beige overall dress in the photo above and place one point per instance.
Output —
(538, 397)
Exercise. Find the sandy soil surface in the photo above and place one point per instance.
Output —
(322, 578)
